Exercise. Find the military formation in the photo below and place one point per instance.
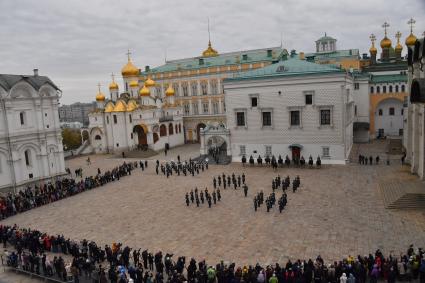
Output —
(280, 162)
(180, 168)
(229, 181)
(199, 197)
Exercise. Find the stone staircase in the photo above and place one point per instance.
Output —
(395, 146)
(403, 195)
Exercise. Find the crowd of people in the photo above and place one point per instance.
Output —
(190, 167)
(280, 162)
(228, 180)
(32, 251)
(364, 160)
(32, 197)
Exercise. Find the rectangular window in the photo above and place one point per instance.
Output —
(267, 119)
(204, 87)
(356, 85)
(107, 119)
(295, 118)
(185, 89)
(268, 150)
(176, 89)
(384, 89)
(308, 99)
(325, 151)
(355, 110)
(158, 91)
(240, 118)
(195, 108)
(129, 118)
(186, 109)
(402, 112)
(400, 132)
(27, 157)
(205, 108)
(214, 88)
(22, 118)
(242, 150)
(115, 119)
(215, 107)
(254, 101)
(325, 117)
(194, 86)
(391, 111)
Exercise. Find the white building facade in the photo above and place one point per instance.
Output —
(31, 149)
(292, 108)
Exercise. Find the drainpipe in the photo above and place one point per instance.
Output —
(9, 146)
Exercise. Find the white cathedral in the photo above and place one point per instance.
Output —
(30, 135)
(137, 118)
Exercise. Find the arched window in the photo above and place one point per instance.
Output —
(378, 89)
(391, 111)
(403, 88)
(162, 131)
(380, 112)
(396, 88)
(170, 129)
(371, 89)
(27, 154)
(22, 118)
(97, 137)
(391, 88)
(384, 89)
(176, 128)
(180, 128)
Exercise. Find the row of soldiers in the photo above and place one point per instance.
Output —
(228, 180)
(270, 201)
(185, 168)
(285, 183)
(364, 160)
(198, 198)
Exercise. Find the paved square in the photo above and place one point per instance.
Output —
(336, 212)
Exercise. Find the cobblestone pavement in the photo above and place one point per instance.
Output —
(337, 212)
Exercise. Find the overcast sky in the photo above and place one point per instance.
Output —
(80, 43)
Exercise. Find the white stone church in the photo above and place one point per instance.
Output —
(30, 135)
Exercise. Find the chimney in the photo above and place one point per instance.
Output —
(35, 72)
(302, 56)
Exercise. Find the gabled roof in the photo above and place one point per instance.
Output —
(223, 59)
(289, 67)
(8, 81)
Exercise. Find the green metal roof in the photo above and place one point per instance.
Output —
(224, 59)
(334, 54)
(388, 78)
(325, 38)
(289, 67)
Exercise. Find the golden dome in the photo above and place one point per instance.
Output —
(169, 91)
(113, 85)
(149, 82)
(109, 107)
(373, 49)
(411, 39)
(386, 42)
(398, 47)
(144, 91)
(132, 105)
(120, 106)
(100, 96)
(134, 84)
(129, 70)
(209, 52)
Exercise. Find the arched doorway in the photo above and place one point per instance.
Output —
(216, 147)
(198, 131)
(141, 134)
(84, 135)
(296, 151)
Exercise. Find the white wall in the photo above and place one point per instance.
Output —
(390, 123)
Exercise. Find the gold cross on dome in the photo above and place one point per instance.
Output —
(385, 25)
(98, 85)
(372, 38)
(398, 35)
(411, 22)
(128, 54)
(113, 77)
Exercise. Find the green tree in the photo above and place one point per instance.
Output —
(71, 138)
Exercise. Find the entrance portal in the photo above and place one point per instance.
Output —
(198, 131)
(141, 135)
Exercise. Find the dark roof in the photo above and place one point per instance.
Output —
(8, 81)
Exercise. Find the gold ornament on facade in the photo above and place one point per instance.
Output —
(129, 70)
(411, 39)
(120, 106)
(109, 107)
(132, 105)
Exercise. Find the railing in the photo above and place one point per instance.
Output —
(166, 118)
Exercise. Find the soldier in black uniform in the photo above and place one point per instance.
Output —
(239, 181)
(228, 181)
(202, 197)
(187, 199)
(209, 202)
(243, 178)
(219, 181)
(214, 196)
(255, 203)
(192, 198)
(197, 200)
(214, 183)
(218, 194)
(245, 189)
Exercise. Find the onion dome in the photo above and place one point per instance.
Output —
(132, 105)
(169, 91)
(129, 70)
(109, 107)
(134, 84)
(113, 86)
(411, 39)
(149, 82)
(209, 52)
(120, 106)
(385, 42)
(373, 49)
(398, 47)
(144, 91)
(100, 96)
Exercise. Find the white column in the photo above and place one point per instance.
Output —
(190, 107)
(208, 87)
(209, 106)
(198, 89)
(200, 110)
(220, 106)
